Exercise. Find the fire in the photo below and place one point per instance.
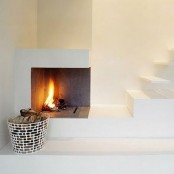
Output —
(50, 99)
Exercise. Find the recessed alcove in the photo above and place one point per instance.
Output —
(70, 84)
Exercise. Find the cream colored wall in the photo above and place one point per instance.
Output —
(126, 37)
(17, 29)
(64, 23)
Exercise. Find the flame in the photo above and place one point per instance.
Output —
(50, 99)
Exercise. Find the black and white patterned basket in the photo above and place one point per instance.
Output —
(28, 138)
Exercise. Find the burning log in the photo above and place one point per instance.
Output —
(48, 108)
(51, 103)
(62, 104)
(59, 104)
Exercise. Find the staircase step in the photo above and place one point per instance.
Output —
(102, 121)
(167, 93)
(101, 146)
(146, 94)
(109, 112)
(160, 93)
(96, 156)
(137, 94)
(154, 79)
(151, 103)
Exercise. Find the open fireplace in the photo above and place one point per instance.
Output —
(61, 92)
(68, 68)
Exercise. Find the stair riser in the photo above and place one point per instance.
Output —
(136, 127)
(166, 72)
(155, 86)
(156, 108)
(148, 108)
(87, 164)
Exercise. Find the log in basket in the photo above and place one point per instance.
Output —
(29, 137)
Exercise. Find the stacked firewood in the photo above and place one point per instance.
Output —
(28, 116)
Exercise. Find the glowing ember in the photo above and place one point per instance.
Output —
(53, 103)
(50, 99)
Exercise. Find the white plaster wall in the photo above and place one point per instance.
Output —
(126, 37)
(64, 23)
(17, 29)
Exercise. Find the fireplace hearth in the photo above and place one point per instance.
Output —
(70, 112)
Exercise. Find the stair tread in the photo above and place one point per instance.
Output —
(109, 112)
(152, 94)
(167, 93)
(154, 79)
(137, 94)
(102, 146)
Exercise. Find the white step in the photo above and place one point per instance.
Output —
(153, 79)
(151, 104)
(94, 156)
(103, 121)
(166, 93)
(165, 70)
(116, 121)
(109, 112)
(102, 146)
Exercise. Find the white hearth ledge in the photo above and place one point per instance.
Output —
(25, 59)
(102, 146)
(94, 156)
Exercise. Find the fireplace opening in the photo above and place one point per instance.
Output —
(61, 92)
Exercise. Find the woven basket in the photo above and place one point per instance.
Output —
(28, 138)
